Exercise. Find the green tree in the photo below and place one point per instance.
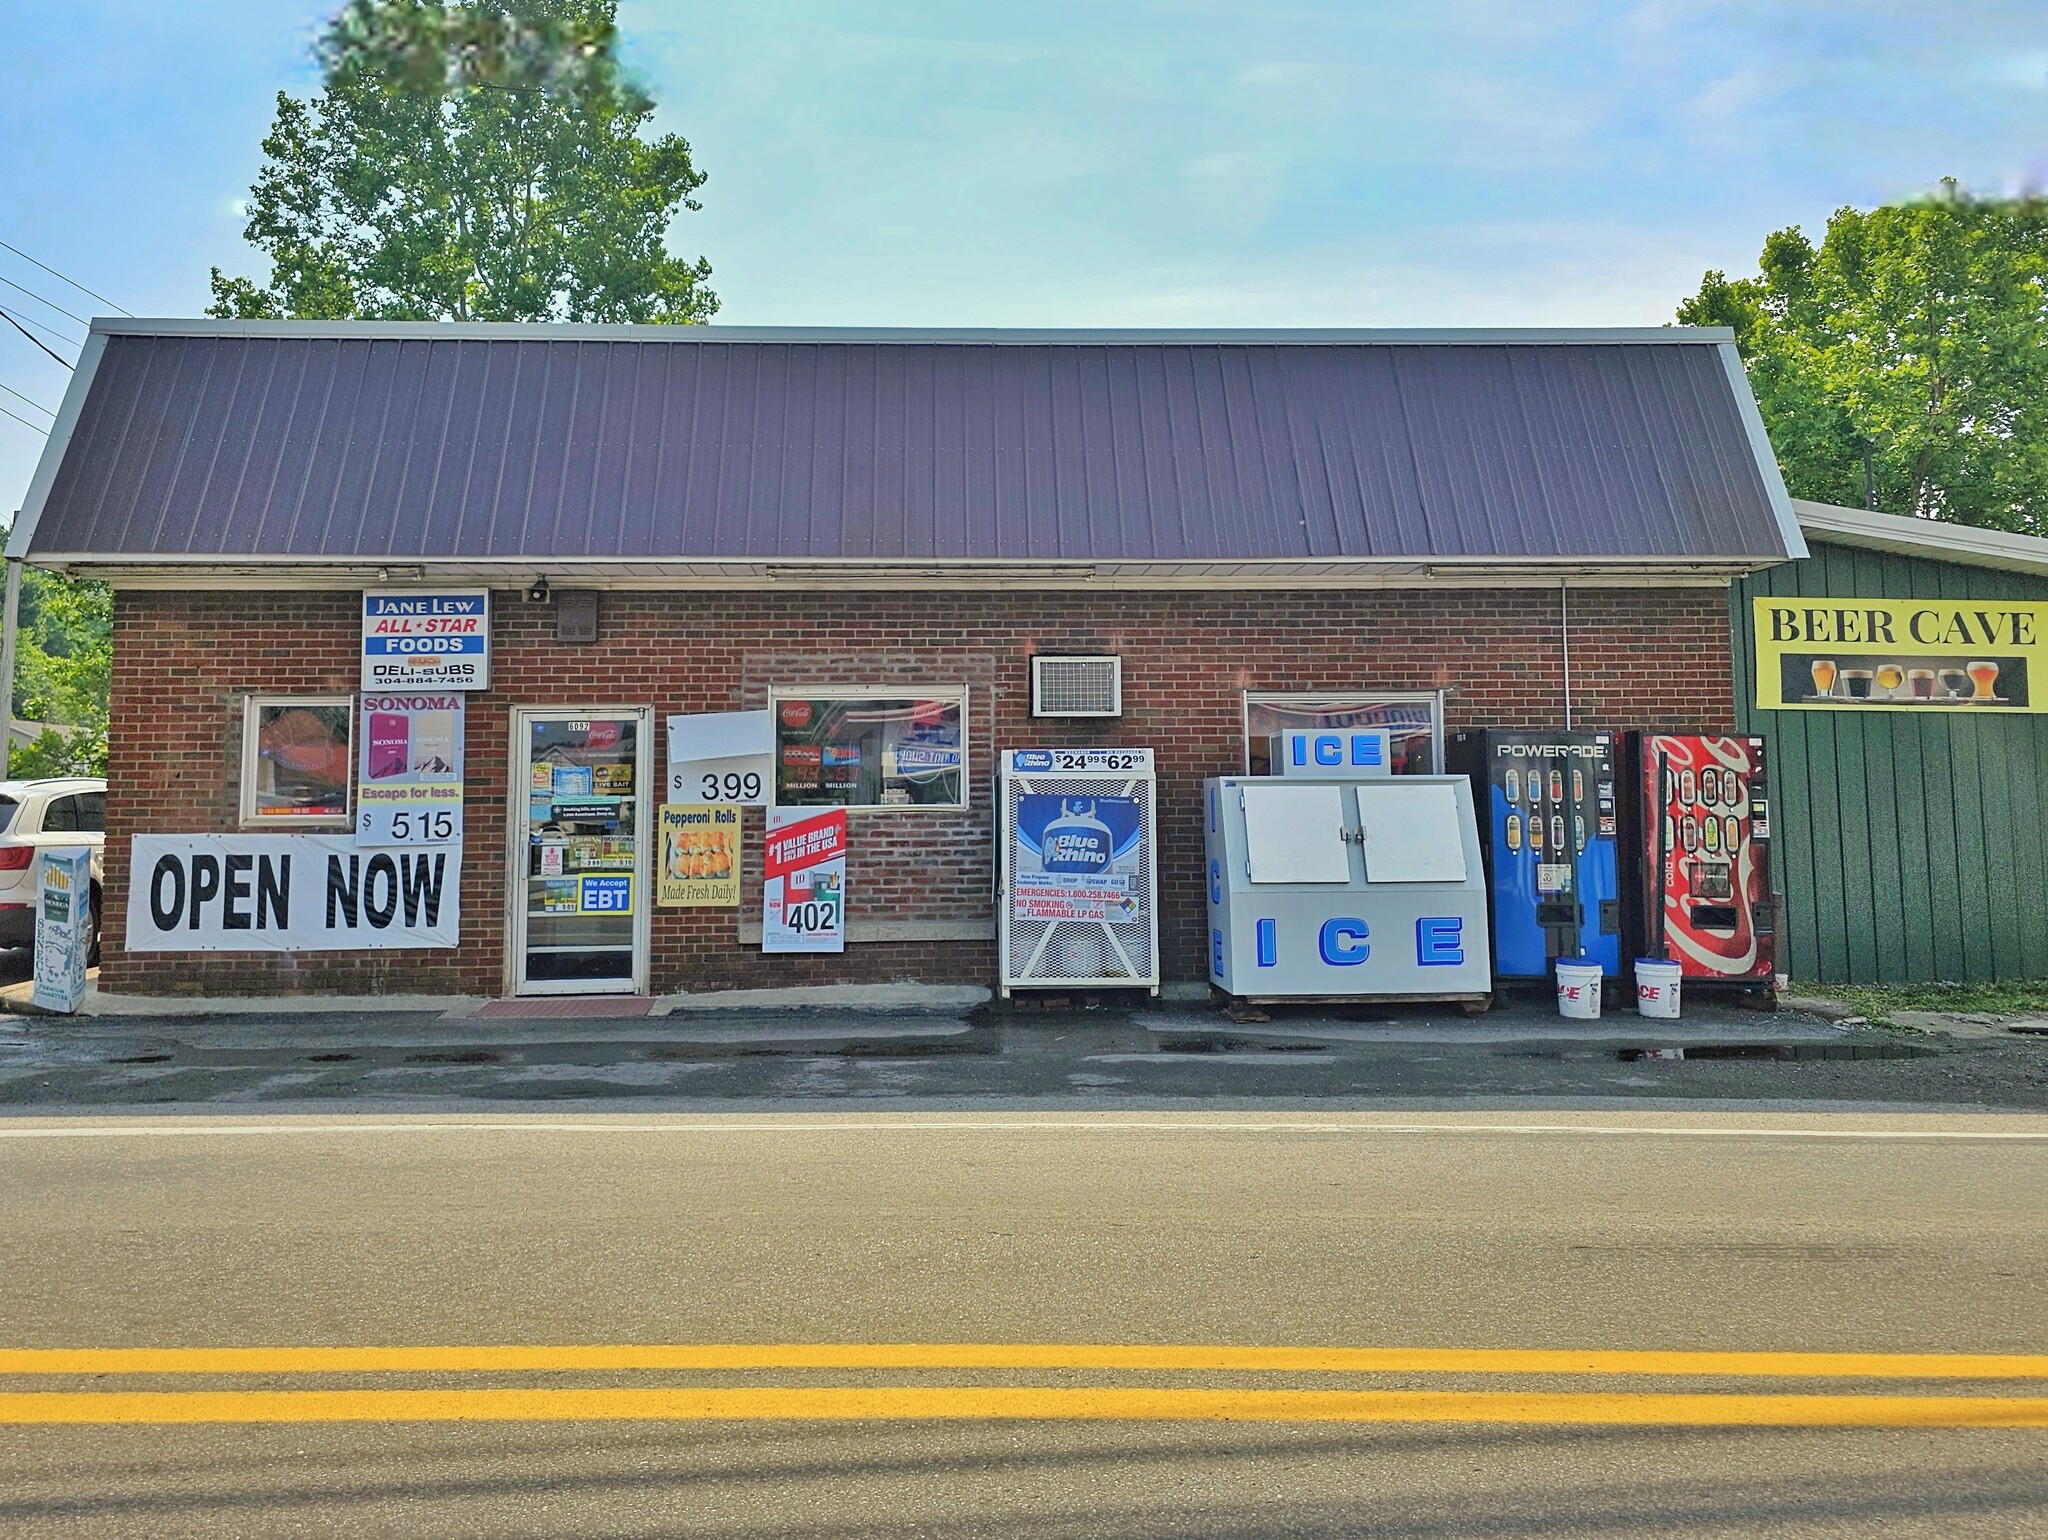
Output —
(63, 663)
(1915, 334)
(471, 160)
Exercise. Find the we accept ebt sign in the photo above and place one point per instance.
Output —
(426, 639)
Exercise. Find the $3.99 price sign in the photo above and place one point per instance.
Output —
(803, 900)
(743, 779)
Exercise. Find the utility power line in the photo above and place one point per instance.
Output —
(31, 293)
(45, 432)
(81, 288)
(31, 400)
(15, 321)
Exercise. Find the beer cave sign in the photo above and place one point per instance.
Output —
(1840, 654)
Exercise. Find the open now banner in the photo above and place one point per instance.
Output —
(288, 893)
(1844, 654)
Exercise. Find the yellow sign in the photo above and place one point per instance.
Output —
(700, 856)
(1833, 654)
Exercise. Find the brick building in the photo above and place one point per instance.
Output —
(870, 535)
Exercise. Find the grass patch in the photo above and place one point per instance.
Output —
(2026, 997)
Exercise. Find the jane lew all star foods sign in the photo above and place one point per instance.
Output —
(426, 639)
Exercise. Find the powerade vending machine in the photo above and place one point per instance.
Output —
(1335, 880)
(1700, 846)
(1076, 870)
(1548, 822)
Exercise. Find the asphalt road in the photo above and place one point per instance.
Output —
(1656, 1232)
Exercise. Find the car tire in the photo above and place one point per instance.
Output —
(92, 937)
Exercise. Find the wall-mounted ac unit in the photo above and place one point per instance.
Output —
(1077, 687)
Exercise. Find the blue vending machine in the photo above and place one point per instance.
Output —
(1546, 802)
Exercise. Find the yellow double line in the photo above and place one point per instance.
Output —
(960, 1402)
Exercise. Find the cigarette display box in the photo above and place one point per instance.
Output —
(1358, 886)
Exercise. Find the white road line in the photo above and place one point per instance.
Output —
(181, 1130)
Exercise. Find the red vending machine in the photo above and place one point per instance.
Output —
(1701, 843)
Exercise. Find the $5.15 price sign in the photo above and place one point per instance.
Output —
(400, 824)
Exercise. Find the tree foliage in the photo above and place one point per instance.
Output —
(63, 663)
(471, 160)
(1917, 332)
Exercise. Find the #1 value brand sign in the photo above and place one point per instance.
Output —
(409, 770)
(288, 893)
(803, 901)
(426, 639)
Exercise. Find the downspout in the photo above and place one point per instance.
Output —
(1563, 631)
(8, 623)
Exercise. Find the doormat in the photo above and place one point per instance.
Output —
(585, 1006)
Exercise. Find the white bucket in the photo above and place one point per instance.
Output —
(1578, 989)
(1657, 988)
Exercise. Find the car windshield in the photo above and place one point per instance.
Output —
(7, 807)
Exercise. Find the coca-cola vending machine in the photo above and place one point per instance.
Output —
(1700, 841)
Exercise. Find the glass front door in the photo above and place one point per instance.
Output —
(581, 890)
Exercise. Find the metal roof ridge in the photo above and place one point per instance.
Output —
(578, 331)
(1968, 544)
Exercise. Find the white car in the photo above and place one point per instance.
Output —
(37, 815)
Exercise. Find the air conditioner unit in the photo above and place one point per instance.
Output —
(1077, 687)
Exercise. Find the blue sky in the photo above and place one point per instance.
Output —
(1115, 162)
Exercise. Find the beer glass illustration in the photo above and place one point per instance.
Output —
(1920, 683)
(1955, 681)
(1857, 682)
(1983, 677)
(1824, 672)
(1889, 677)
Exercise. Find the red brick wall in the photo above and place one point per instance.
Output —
(182, 663)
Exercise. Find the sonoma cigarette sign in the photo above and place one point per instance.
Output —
(288, 893)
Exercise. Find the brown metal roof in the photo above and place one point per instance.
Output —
(334, 442)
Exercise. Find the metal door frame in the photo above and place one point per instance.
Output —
(523, 718)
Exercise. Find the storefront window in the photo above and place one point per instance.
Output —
(296, 759)
(1413, 722)
(871, 750)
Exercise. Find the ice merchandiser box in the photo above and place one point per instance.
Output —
(1345, 884)
(1076, 869)
(1547, 803)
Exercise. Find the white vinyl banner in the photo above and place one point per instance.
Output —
(288, 893)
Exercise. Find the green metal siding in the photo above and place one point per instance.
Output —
(1909, 847)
